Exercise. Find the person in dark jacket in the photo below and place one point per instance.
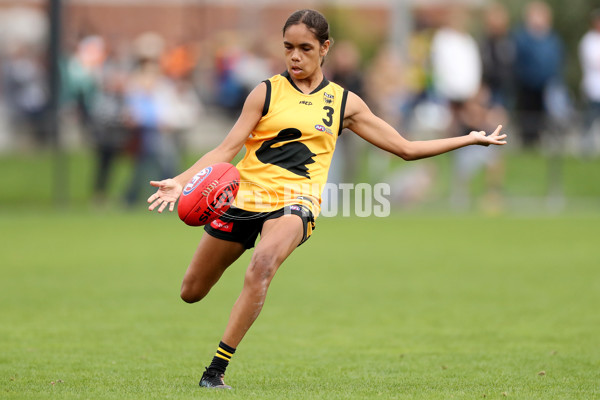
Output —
(538, 65)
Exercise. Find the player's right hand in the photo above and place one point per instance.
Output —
(167, 194)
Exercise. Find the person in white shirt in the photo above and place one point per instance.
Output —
(589, 56)
(455, 58)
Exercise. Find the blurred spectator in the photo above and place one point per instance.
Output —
(158, 110)
(108, 126)
(253, 66)
(230, 91)
(589, 56)
(25, 91)
(538, 68)
(179, 62)
(457, 73)
(146, 99)
(456, 62)
(498, 55)
(420, 102)
(83, 75)
(179, 65)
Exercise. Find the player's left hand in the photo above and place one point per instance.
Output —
(481, 138)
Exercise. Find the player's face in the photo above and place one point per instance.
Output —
(303, 52)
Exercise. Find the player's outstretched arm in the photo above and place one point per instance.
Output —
(359, 118)
(169, 190)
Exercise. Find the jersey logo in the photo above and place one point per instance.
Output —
(293, 156)
(328, 98)
(322, 128)
(222, 226)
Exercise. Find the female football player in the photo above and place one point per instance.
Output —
(288, 125)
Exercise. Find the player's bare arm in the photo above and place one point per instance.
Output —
(169, 189)
(359, 119)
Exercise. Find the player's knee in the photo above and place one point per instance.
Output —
(262, 269)
(189, 297)
(189, 294)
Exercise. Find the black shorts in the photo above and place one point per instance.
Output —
(242, 226)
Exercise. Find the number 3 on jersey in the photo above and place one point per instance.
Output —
(329, 118)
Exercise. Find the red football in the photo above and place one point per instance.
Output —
(209, 194)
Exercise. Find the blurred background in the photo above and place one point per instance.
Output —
(97, 97)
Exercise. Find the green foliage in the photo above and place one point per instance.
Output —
(405, 307)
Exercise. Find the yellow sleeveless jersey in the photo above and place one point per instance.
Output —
(289, 152)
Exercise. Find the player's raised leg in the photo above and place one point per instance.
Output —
(279, 237)
(210, 260)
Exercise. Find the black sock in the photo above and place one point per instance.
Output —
(222, 357)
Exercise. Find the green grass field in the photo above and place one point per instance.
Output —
(405, 307)
(424, 304)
